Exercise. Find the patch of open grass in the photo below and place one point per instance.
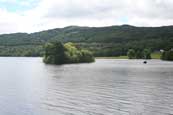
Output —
(156, 55)
(118, 57)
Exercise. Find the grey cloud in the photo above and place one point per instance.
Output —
(112, 8)
(60, 13)
(84, 9)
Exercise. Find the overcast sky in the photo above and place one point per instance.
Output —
(35, 15)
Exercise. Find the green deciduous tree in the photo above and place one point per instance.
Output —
(147, 54)
(167, 55)
(54, 53)
(139, 54)
(131, 54)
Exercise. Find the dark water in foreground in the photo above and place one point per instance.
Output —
(106, 87)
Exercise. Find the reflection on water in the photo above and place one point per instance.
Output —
(106, 87)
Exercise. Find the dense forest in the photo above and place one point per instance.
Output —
(102, 41)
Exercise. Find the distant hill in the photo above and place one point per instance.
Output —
(113, 40)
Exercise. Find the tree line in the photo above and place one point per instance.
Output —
(139, 54)
(146, 54)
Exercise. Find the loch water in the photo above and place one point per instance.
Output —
(106, 87)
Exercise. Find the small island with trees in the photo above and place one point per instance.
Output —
(58, 53)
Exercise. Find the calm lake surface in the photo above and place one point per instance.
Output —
(106, 87)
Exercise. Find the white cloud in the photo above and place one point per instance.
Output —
(59, 13)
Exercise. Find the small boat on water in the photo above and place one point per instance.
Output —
(145, 62)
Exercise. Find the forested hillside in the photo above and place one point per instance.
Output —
(103, 41)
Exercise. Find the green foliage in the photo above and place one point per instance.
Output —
(22, 50)
(139, 54)
(147, 54)
(54, 53)
(72, 53)
(57, 53)
(131, 54)
(167, 55)
(86, 56)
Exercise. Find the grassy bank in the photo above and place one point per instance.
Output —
(153, 56)
(156, 55)
(119, 57)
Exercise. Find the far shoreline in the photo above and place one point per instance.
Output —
(153, 56)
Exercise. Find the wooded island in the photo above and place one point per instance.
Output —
(57, 53)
